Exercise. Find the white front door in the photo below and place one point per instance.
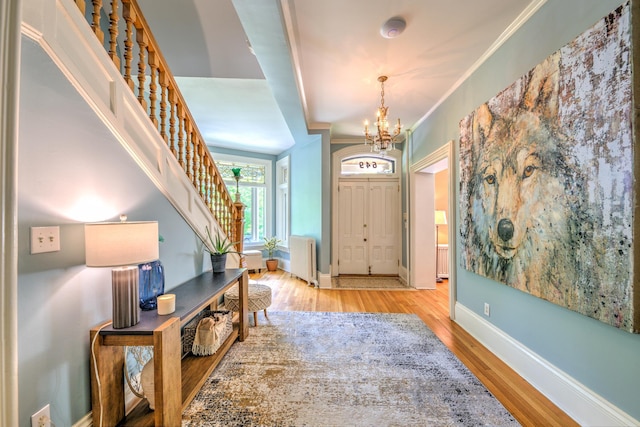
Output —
(352, 222)
(384, 227)
(369, 226)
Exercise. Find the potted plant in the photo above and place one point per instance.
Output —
(270, 244)
(218, 248)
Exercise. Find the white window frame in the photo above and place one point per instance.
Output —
(268, 209)
(283, 201)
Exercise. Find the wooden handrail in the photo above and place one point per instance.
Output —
(157, 92)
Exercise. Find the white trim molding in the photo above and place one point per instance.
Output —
(10, 23)
(582, 404)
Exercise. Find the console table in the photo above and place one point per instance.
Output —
(176, 380)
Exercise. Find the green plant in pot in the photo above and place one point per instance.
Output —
(218, 248)
(270, 244)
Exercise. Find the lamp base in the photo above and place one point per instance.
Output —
(126, 307)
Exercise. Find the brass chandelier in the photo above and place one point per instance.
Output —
(381, 141)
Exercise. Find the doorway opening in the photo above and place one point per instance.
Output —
(431, 256)
(367, 226)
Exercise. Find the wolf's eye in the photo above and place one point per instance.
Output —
(491, 179)
(528, 171)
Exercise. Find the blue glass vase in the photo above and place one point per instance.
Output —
(151, 284)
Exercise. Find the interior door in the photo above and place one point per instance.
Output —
(383, 226)
(353, 248)
(369, 227)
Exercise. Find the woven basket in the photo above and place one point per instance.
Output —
(189, 330)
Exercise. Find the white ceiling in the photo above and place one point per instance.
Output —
(316, 63)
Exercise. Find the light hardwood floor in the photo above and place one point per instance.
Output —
(526, 404)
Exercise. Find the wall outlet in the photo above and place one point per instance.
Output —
(45, 239)
(487, 311)
(42, 418)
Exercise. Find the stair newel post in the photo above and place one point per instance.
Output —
(239, 226)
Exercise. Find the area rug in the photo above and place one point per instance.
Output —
(343, 369)
(367, 282)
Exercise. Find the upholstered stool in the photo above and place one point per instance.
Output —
(254, 260)
(259, 299)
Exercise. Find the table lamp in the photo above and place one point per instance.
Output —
(123, 245)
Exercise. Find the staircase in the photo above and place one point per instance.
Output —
(109, 54)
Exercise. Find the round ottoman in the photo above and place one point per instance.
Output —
(259, 299)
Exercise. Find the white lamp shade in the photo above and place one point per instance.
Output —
(114, 244)
(441, 218)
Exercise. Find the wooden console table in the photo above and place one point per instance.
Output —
(176, 380)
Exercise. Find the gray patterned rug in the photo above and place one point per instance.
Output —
(343, 369)
(367, 282)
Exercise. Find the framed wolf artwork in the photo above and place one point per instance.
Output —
(548, 178)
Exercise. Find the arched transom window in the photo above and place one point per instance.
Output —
(361, 165)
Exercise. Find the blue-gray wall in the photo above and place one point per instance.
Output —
(601, 357)
(69, 165)
(306, 163)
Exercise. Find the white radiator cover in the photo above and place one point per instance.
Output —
(303, 258)
(442, 268)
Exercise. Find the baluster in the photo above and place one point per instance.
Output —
(164, 88)
(141, 38)
(172, 122)
(95, 24)
(113, 33)
(129, 16)
(199, 168)
(181, 136)
(153, 96)
(212, 190)
(216, 195)
(189, 151)
(197, 165)
(209, 185)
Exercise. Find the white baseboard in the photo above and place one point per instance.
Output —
(284, 264)
(324, 281)
(86, 421)
(404, 277)
(586, 407)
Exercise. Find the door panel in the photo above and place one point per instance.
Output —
(384, 228)
(351, 222)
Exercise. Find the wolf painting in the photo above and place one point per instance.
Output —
(546, 179)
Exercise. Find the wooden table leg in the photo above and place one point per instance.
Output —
(243, 304)
(168, 374)
(107, 391)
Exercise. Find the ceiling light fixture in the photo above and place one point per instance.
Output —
(381, 141)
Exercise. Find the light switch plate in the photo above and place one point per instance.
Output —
(45, 239)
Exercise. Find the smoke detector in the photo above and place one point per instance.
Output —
(393, 27)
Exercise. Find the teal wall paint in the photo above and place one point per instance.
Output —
(306, 191)
(599, 356)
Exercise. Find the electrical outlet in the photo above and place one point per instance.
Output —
(486, 309)
(45, 239)
(42, 418)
